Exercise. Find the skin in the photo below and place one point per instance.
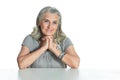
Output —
(49, 25)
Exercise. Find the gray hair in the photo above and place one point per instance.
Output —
(59, 36)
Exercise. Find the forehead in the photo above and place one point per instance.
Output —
(51, 16)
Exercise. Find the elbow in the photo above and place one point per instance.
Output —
(76, 64)
(75, 67)
(21, 67)
(20, 64)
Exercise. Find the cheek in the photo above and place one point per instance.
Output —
(55, 28)
(44, 26)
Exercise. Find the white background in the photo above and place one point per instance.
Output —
(92, 25)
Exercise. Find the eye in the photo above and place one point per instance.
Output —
(46, 20)
(54, 22)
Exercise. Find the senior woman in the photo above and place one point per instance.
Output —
(47, 46)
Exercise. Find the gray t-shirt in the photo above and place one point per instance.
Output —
(47, 59)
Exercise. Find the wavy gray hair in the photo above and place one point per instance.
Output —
(59, 36)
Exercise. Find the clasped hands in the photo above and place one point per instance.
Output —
(47, 42)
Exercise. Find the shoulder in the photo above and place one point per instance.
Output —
(29, 38)
(29, 42)
(67, 40)
(66, 43)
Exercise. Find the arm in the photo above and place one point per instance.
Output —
(25, 58)
(70, 58)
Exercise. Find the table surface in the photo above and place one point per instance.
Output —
(59, 74)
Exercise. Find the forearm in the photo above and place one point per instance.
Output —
(27, 60)
(70, 60)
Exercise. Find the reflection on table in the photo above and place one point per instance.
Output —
(59, 74)
(49, 74)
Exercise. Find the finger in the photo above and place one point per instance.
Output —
(49, 37)
(51, 40)
(42, 39)
(47, 40)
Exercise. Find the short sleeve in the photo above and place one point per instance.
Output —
(28, 42)
(66, 43)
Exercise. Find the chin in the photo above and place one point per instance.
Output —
(48, 34)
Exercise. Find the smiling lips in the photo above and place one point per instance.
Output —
(49, 30)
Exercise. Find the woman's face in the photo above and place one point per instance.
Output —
(49, 24)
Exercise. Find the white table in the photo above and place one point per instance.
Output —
(59, 74)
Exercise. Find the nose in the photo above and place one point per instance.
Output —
(50, 25)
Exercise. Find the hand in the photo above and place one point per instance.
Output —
(52, 45)
(47, 42)
(44, 43)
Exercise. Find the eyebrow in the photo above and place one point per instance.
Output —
(48, 19)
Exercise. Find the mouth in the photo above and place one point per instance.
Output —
(48, 30)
